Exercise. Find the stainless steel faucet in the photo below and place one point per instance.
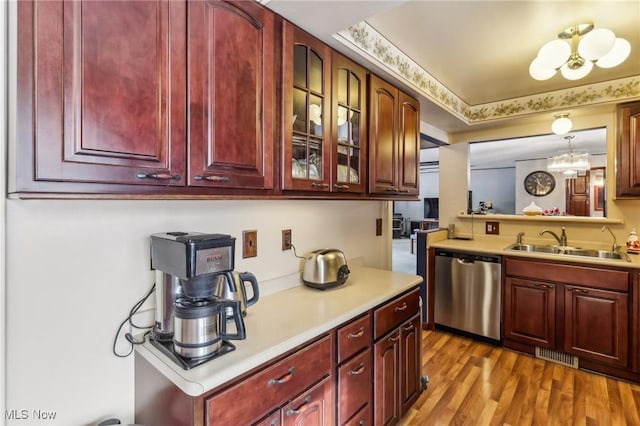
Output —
(615, 245)
(562, 239)
(519, 238)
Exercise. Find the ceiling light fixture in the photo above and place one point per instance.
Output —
(561, 125)
(576, 50)
(570, 162)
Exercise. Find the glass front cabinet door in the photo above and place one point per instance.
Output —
(348, 114)
(306, 97)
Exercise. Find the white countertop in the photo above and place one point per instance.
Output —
(498, 245)
(281, 321)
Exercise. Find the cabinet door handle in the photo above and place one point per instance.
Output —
(319, 185)
(292, 411)
(357, 334)
(543, 285)
(212, 178)
(407, 327)
(274, 422)
(282, 379)
(358, 370)
(395, 338)
(401, 308)
(392, 189)
(341, 187)
(361, 422)
(404, 190)
(579, 290)
(157, 176)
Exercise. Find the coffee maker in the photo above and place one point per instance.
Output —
(191, 318)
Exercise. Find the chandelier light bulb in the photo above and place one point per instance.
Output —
(617, 55)
(576, 73)
(554, 53)
(539, 72)
(596, 44)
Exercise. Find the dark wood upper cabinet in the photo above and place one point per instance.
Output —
(100, 89)
(349, 128)
(628, 151)
(306, 121)
(394, 140)
(231, 94)
(409, 146)
(383, 136)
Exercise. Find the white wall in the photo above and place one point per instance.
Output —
(75, 268)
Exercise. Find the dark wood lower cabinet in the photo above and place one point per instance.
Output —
(397, 372)
(597, 325)
(530, 312)
(387, 383)
(578, 310)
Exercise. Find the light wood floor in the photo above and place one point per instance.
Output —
(474, 383)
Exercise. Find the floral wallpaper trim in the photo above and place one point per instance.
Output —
(364, 39)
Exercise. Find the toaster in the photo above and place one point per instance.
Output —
(325, 268)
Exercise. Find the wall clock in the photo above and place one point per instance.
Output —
(539, 183)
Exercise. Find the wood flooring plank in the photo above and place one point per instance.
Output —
(475, 383)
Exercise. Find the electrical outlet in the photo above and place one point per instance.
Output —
(492, 228)
(250, 244)
(286, 239)
(378, 226)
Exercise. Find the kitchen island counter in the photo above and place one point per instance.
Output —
(283, 321)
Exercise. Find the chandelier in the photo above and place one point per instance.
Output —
(570, 162)
(576, 50)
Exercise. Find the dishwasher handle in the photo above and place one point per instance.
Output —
(468, 257)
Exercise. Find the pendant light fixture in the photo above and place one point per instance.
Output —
(576, 50)
(569, 162)
(561, 125)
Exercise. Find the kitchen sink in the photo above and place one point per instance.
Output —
(569, 251)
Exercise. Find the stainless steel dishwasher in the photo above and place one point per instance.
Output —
(468, 295)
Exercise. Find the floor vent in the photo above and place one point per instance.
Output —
(557, 357)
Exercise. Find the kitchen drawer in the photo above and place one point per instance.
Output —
(606, 279)
(354, 385)
(354, 337)
(271, 386)
(364, 417)
(395, 312)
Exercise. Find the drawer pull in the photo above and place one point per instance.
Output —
(357, 334)
(392, 189)
(544, 285)
(341, 187)
(407, 327)
(157, 176)
(319, 185)
(395, 338)
(283, 379)
(358, 370)
(361, 422)
(292, 411)
(212, 178)
(401, 308)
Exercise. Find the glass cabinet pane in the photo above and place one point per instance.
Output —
(343, 124)
(354, 91)
(300, 65)
(315, 159)
(342, 87)
(315, 72)
(355, 128)
(300, 111)
(316, 120)
(354, 170)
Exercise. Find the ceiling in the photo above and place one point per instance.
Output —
(479, 50)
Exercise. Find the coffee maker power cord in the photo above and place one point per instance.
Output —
(129, 319)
